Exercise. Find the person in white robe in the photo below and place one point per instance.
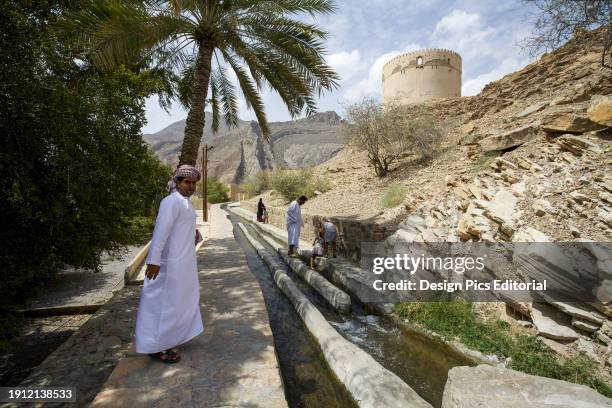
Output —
(294, 223)
(169, 309)
(330, 232)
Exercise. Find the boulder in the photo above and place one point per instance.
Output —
(606, 217)
(552, 323)
(603, 307)
(604, 196)
(569, 123)
(600, 110)
(501, 208)
(510, 176)
(587, 348)
(500, 163)
(606, 328)
(578, 311)
(608, 184)
(487, 386)
(475, 190)
(542, 207)
(579, 197)
(414, 221)
(530, 234)
(585, 325)
(470, 227)
(602, 337)
(523, 162)
(577, 145)
(512, 138)
(536, 107)
(518, 189)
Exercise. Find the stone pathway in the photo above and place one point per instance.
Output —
(67, 303)
(88, 357)
(233, 363)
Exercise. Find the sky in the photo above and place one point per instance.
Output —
(365, 34)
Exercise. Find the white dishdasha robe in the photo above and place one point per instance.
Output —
(294, 223)
(169, 310)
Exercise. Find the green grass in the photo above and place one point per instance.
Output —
(456, 321)
(484, 161)
(395, 195)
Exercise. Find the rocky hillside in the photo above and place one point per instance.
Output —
(529, 160)
(240, 152)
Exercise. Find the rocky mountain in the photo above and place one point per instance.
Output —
(243, 151)
(529, 159)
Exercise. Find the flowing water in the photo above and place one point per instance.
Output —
(418, 361)
(307, 380)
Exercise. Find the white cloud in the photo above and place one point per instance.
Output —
(475, 85)
(467, 34)
(458, 21)
(346, 64)
(365, 34)
(371, 83)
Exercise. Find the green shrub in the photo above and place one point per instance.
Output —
(456, 320)
(321, 184)
(217, 191)
(291, 184)
(257, 184)
(387, 132)
(484, 160)
(77, 177)
(394, 195)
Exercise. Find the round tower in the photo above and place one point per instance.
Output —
(422, 75)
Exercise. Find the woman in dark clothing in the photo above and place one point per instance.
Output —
(261, 210)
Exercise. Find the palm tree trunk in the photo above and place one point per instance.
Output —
(194, 127)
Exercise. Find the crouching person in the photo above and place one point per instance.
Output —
(317, 248)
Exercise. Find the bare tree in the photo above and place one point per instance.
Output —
(555, 21)
(387, 132)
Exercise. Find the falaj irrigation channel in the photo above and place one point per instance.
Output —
(403, 358)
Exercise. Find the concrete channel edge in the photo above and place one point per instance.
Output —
(369, 383)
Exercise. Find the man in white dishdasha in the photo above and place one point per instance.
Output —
(169, 310)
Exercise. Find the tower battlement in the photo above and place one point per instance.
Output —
(421, 75)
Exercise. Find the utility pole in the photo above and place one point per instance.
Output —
(205, 150)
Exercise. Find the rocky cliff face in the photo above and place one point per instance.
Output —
(241, 152)
(530, 160)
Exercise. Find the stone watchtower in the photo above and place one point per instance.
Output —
(422, 75)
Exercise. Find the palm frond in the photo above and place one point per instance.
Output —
(117, 32)
(227, 96)
(215, 106)
(312, 7)
(251, 94)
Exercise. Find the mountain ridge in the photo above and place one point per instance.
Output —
(242, 151)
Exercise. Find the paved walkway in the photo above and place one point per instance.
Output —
(233, 363)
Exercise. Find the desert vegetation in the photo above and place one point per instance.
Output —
(390, 132)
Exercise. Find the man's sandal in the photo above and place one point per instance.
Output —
(168, 356)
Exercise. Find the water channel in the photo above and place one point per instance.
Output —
(418, 361)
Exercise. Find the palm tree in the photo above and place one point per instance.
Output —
(263, 42)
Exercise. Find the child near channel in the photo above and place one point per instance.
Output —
(317, 248)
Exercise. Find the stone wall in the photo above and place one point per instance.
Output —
(422, 75)
(351, 233)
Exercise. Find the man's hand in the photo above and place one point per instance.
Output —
(152, 271)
